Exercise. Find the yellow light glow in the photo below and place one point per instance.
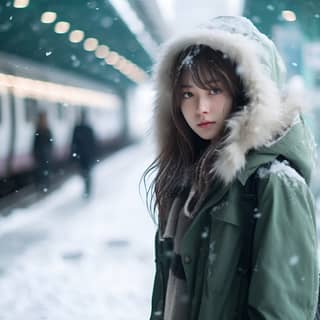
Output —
(90, 44)
(112, 58)
(134, 69)
(62, 27)
(48, 17)
(54, 92)
(21, 3)
(289, 15)
(76, 36)
(137, 75)
(121, 63)
(125, 69)
(102, 51)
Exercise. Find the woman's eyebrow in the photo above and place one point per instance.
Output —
(213, 81)
(186, 85)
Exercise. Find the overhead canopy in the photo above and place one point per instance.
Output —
(22, 33)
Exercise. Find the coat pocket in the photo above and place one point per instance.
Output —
(225, 213)
(224, 249)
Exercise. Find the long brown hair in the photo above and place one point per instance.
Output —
(186, 160)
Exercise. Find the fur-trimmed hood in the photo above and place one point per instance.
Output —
(265, 117)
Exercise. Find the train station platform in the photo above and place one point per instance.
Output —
(70, 258)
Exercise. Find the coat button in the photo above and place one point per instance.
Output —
(187, 259)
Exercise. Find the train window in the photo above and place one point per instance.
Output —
(31, 109)
(0, 110)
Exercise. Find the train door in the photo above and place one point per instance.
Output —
(5, 131)
(61, 129)
(25, 116)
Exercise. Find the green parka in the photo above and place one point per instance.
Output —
(284, 281)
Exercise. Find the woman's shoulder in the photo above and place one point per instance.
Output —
(282, 185)
(282, 171)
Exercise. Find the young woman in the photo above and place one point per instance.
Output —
(231, 150)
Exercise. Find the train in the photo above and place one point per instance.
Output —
(28, 88)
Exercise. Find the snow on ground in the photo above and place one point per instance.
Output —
(66, 258)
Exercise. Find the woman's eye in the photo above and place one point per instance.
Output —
(186, 95)
(215, 91)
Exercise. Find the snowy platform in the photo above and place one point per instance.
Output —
(67, 258)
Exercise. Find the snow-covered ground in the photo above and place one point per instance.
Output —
(66, 258)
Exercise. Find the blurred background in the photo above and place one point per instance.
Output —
(76, 134)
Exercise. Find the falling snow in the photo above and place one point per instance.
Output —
(92, 5)
(256, 19)
(75, 61)
(106, 22)
(188, 60)
(294, 260)
(205, 233)
(270, 7)
(257, 214)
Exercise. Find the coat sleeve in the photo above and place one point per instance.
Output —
(284, 282)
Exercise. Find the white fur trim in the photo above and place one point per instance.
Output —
(265, 117)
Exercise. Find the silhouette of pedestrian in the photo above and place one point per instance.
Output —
(83, 150)
(42, 152)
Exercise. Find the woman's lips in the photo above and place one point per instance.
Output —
(206, 124)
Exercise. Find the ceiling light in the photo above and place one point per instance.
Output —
(21, 3)
(48, 17)
(289, 15)
(141, 76)
(90, 44)
(120, 64)
(112, 58)
(76, 36)
(102, 51)
(127, 68)
(62, 27)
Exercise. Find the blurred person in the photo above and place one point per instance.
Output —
(83, 150)
(42, 152)
(236, 234)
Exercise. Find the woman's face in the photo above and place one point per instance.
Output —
(205, 110)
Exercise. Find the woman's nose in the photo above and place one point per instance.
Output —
(203, 106)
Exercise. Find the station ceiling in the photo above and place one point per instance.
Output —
(23, 34)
